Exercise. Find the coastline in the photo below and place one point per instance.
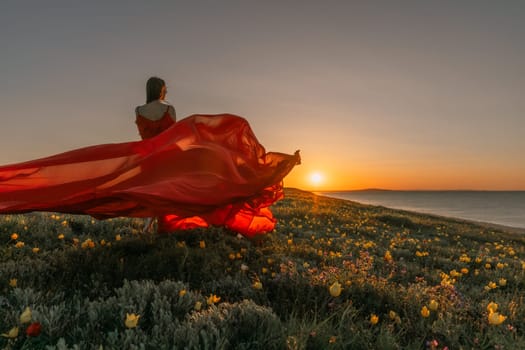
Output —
(378, 210)
(482, 223)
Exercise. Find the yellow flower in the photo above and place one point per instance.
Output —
(492, 285)
(13, 282)
(26, 316)
(502, 282)
(36, 250)
(60, 236)
(374, 319)
(14, 236)
(182, 293)
(13, 333)
(492, 307)
(464, 271)
(103, 242)
(198, 305)
(118, 238)
(64, 223)
(488, 266)
(495, 318)
(433, 305)
(231, 256)
(213, 299)
(425, 312)
(454, 273)
(88, 243)
(335, 289)
(257, 285)
(392, 314)
(264, 270)
(19, 244)
(464, 258)
(500, 265)
(131, 320)
(388, 256)
(202, 244)
(290, 241)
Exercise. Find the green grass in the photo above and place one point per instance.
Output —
(80, 294)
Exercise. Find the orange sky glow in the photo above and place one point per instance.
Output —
(428, 177)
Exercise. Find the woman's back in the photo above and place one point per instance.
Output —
(155, 110)
(153, 118)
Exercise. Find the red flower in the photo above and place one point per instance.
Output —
(34, 329)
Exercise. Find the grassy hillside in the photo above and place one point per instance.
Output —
(334, 274)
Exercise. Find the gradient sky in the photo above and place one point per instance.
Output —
(387, 94)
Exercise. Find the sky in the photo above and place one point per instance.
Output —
(375, 94)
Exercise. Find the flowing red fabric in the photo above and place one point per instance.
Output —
(203, 170)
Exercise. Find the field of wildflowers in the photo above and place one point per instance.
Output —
(333, 275)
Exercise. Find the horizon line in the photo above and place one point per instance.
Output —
(416, 190)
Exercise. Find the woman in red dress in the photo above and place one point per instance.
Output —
(202, 170)
(157, 114)
(153, 118)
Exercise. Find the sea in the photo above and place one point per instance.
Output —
(497, 207)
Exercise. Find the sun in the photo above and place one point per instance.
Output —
(316, 178)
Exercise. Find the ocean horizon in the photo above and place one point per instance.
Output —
(505, 208)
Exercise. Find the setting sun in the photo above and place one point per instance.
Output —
(316, 178)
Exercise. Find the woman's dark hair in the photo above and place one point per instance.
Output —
(153, 87)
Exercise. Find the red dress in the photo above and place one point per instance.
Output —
(147, 129)
(203, 170)
(150, 128)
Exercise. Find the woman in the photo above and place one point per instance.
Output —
(153, 118)
(203, 170)
(157, 114)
